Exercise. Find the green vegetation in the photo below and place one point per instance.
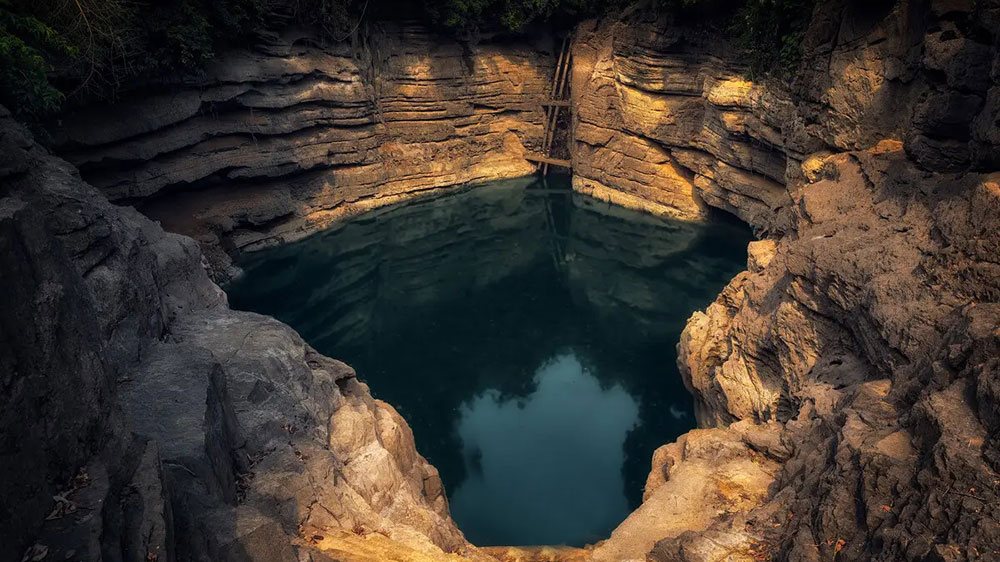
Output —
(50, 49)
(26, 46)
(770, 32)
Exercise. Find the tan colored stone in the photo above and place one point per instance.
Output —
(715, 476)
(760, 253)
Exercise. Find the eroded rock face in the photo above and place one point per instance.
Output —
(858, 350)
(704, 476)
(276, 142)
(870, 336)
(203, 433)
(663, 123)
(666, 120)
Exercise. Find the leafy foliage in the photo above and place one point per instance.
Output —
(770, 33)
(50, 49)
(26, 45)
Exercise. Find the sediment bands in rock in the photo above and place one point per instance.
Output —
(194, 432)
(856, 359)
(274, 143)
(666, 119)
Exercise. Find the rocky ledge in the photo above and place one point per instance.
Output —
(856, 359)
(274, 143)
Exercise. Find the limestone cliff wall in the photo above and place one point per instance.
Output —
(664, 113)
(663, 122)
(145, 420)
(274, 143)
(859, 350)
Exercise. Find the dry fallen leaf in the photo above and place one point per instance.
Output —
(35, 552)
(81, 480)
(62, 508)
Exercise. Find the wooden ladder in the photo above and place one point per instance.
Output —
(552, 107)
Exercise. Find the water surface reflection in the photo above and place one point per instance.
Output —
(565, 437)
(528, 340)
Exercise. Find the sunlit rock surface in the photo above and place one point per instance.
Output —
(864, 331)
(274, 143)
(663, 122)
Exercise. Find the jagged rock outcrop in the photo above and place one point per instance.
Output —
(865, 331)
(871, 336)
(202, 433)
(663, 122)
(274, 143)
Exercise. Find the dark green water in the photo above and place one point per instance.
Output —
(529, 340)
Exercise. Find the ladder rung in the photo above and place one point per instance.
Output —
(548, 191)
(560, 81)
(547, 160)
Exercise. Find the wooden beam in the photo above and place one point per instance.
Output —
(547, 160)
(555, 103)
(548, 191)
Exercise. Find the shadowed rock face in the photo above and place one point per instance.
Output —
(195, 432)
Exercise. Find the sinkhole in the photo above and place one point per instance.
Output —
(526, 335)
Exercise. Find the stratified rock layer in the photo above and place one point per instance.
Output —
(859, 349)
(275, 143)
(662, 123)
(202, 433)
